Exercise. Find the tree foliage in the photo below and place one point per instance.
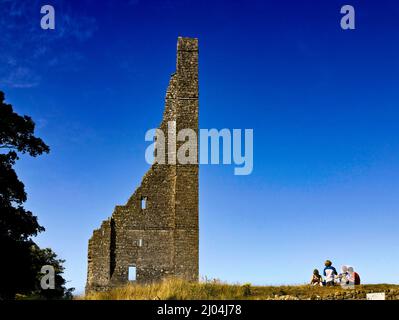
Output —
(21, 259)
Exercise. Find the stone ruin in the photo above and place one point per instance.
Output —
(155, 234)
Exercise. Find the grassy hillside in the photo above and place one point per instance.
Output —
(175, 289)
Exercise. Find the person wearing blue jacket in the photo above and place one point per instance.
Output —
(329, 273)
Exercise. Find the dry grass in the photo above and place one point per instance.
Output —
(172, 289)
(176, 289)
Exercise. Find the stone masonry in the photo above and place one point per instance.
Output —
(156, 232)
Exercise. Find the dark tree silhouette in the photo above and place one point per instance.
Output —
(21, 258)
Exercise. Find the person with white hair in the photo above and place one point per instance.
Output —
(354, 278)
(343, 277)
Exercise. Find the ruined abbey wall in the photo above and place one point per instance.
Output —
(161, 239)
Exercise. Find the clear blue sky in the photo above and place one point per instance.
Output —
(323, 104)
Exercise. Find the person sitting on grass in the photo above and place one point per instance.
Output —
(316, 279)
(329, 273)
(343, 277)
(354, 277)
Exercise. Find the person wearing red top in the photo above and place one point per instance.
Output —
(353, 276)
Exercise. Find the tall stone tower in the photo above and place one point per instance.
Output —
(155, 234)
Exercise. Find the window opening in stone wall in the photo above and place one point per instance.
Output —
(132, 273)
(143, 202)
(155, 147)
